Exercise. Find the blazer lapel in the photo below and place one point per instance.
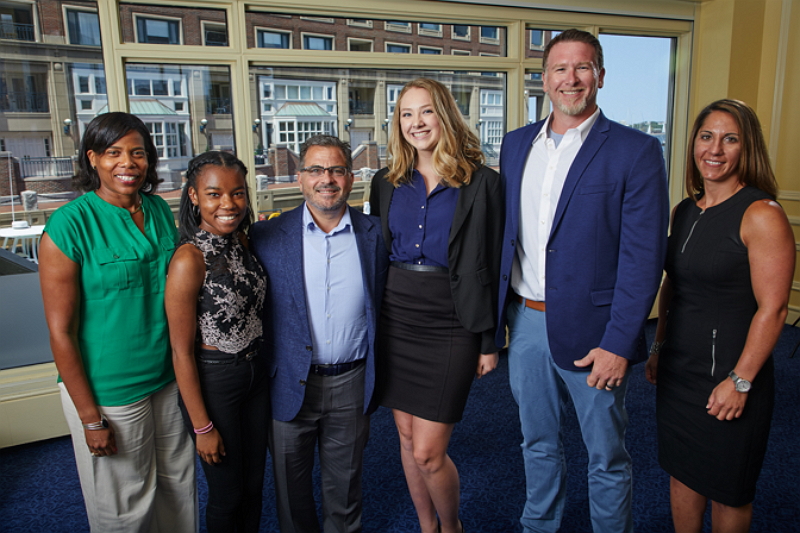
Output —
(292, 250)
(597, 136)
(466, 197)
(513, 167)
(366, 240)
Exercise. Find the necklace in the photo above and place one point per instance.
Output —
(138, 207)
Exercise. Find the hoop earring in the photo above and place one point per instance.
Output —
(195, 212)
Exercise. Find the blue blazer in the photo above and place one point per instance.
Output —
(278, 245)
(607, 246)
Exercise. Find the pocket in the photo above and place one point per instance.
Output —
(120, 268)
(599, 188)
(602, 297)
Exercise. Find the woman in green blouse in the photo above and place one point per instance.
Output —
(103, 265)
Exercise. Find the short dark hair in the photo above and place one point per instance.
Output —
(575, 35)
(328, 141)
(189, 223)
(754, 167)
(103, 131)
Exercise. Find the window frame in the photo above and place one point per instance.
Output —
(261, 29)
(429, 32)
(204, 29)
(65, 10)
(304, 34)
(149, 16)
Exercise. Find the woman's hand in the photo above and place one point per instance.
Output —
(486, 363)
(101, 442)
(210, 447)
(725, 402)
(651, 368)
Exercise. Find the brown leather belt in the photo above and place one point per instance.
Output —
(533, 304)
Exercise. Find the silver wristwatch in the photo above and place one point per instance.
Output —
(741, 384)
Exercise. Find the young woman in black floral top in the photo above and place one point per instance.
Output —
(214, 298)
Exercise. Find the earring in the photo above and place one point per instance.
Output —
(195, 211)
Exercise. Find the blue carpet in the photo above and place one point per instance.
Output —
(39, 489)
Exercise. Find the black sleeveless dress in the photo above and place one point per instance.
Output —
(709, 318)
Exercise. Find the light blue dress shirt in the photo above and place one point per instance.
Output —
(334, 292)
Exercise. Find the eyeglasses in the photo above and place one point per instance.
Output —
(317, 171)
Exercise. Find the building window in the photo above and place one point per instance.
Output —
(537, 39)
(86, 105)
(142, 88)
(319, 19)
(273, 39)
(158, 31)
(167, 139)
(16, 22)
(359, 45)
(396, 48)
(99, 85)
(176, 88)
(364, 23)
(461, 32)
(394, 25)
(430, 30)
(492, 132)
(460, 52)
(83, 84)
(178, 106)
(317, 42)
(490, 34)
(430, 50)
(83, 27)
(215, 34)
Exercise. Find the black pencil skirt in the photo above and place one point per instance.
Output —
(426, 359)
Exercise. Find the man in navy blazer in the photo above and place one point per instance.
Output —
(326, 265)
(583, 250)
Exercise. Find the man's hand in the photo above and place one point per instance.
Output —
(608, 369)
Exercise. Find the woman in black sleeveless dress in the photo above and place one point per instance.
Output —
(730, 263)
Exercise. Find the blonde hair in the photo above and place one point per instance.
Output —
(457, 154)
(754, 167)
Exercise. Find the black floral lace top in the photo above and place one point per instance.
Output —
(232, 297)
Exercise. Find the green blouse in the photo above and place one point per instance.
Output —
(122, 335)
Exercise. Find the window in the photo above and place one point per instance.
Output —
(178, 106)
(364, 23)
(83, 84)
(142, 88)
(430, 50)
(490, 34)
(273, 39)
(214, 34)
(359, 45)
(326, 20)
(176, 88)
(396, 48)
(460, 52)
(99, 85)
(83, 27)
(430, 30)
(158, 31)
(492, 132)
(461, 33)
(536, 39)
(394, 25)
(86, 105)
(16, 22)
(317, 42)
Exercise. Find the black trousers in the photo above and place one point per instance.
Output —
(236, 396)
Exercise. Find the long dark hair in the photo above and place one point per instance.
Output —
(103, 131)
(189, 221)
(754, 166)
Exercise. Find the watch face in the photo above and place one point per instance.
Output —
(743, 385)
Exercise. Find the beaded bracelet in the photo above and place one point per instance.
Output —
(205, 429)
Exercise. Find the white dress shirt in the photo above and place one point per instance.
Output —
(545, 172)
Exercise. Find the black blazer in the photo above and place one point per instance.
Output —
(473, 252)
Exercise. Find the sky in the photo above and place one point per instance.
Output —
(637, 78)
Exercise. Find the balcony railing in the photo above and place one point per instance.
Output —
(364, 107)
(19, 32)
(40, 167)
(21, 102)
(218, 106)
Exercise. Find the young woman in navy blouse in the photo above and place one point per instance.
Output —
(441, 214)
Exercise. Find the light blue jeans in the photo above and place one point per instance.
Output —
(541, 390)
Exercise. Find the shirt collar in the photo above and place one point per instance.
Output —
(310, 226)
(583, 128)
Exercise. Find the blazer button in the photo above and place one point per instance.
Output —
(512, 242)
(303, 382)
(309, 348)
(505, 277)
(454, 277)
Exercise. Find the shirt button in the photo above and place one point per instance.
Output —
(420, 226)
(416, 245)
(423, 207)
(328, 315)
(328, 341)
